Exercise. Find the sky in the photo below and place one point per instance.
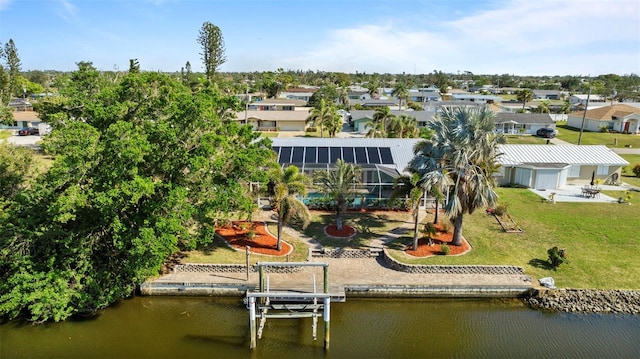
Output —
(541, 37)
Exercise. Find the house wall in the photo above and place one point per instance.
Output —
(291, 125)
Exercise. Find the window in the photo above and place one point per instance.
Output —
(603, 170)
(288, 108)
(574, 171)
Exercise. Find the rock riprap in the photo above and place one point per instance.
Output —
(586, 300)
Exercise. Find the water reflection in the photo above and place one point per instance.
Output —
(146, 327)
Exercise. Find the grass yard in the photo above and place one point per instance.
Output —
(628, 176)
(525, 140)
(601, 240)
(571, 135)
(268, 134)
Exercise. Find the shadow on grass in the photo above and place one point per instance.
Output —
(540, 263)
(400, 243)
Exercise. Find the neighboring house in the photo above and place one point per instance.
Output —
(515, 123)
(551, 166)
(298, 93)
(359, 118)
(546, 94)
(20, 104)
(617, 118)
(424, 94)
(476, 98)
(373, 103)
(23, 119)
(582, 99)
(275, 115)
(359, 95)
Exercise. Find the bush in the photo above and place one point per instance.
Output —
(556, 256)
(444, 249)
(311, 129)
(429, 230)
(636, 170)
(501, 210)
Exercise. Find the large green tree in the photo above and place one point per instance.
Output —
(13, 68)
(325, 114)
(213, 50)
(285, 186)
(143, 167)
(524, 96)
(339, 183)
(462, 154)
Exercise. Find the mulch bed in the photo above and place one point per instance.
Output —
(425, 250)
(264, 242)
(346, 232)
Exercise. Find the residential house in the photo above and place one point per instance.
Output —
(521, 123)
(553, 166)
(476, 98)
(546, 94)
(582, 99)
(298, 93)
(621, 118)
(275, 115)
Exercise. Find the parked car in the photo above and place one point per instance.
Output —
(546, 132)
(29, 131)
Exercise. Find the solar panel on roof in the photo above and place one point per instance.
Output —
(285, 155)
(298, 155)
(335, 154)
(361, 155)
(374, 156)
(323, 154)
(311, 155)
(347, 155)
(385, 154)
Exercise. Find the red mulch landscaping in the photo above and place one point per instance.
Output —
(425, 250)
(346, 232)
(263, 243)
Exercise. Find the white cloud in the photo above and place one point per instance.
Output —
(66, 10)
(532, 37)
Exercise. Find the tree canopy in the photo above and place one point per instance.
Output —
(142, 167)
(213, 51)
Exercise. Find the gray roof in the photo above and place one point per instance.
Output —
(550, 154)
(401, 148)
(537, 118)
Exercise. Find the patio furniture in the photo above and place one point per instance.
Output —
(590, 191)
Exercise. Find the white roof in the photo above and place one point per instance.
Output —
(569, 154)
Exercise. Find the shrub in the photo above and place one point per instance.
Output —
(311, 129)
(447, 227)
(636, 170)
(556, 256)
(501, 210)
(444, 249)
(429, 230)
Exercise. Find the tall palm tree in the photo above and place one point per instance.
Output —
(463, 151)
(401, 91)
(524, 95)
(382, 114)
(395, 127)
(411, 188)
(320, 115)
(409, 126)
(334, 122)
(339, 183)
(543, 106)
(285, 186)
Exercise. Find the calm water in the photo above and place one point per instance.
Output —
(160, 327)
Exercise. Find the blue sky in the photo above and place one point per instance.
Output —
(541, 37)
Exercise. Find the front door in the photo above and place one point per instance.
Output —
(626, 127)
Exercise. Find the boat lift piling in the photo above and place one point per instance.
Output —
(296, 304)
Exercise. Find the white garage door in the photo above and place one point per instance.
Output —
(523, 177)
(546, 179)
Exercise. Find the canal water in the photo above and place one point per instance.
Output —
(169, 327)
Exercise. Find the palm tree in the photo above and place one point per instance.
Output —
(334, 123)
(543, 106)
(401, 91)
(285, 186)
(411, 188)
(339, 183)
(320, 115)
(395, 127)
(373, 87)
(376, 129)
(382, 114)
(462, 151)
(524, 95)
(409, 126)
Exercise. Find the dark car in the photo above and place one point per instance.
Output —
(546, 132)
(29, 131)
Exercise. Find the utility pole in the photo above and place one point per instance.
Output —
(584, 114)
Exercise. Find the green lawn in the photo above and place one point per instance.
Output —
(571, 135)
(525, 140)
(628, 176)
(268, 134)
(601, 240)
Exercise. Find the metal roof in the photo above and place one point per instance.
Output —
(570, 154)
(401, 148)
